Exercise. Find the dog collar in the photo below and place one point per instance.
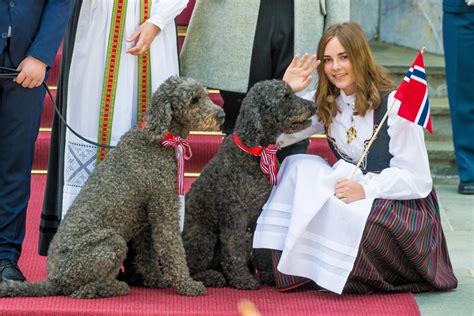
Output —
(268, 161)
(183, 152)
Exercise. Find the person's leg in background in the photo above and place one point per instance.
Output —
(261, 65)
(20, 114)
(458, 31)
(273, 51)
(271, 54)
(232, 102)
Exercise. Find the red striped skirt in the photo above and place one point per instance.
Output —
(403, 249)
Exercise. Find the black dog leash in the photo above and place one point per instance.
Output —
(9, 73)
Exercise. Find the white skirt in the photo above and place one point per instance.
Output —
(86, 81)
(318, 234)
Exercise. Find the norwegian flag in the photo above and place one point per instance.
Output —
(413, 95)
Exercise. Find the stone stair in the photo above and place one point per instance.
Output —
(439, 144)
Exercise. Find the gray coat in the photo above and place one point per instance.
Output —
(218, 47)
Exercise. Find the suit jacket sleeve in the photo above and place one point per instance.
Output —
(337, 11)
(55, 17)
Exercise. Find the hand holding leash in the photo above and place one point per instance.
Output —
(9, 73)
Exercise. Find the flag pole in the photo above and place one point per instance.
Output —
(366, 150)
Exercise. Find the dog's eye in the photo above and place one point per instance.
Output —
(194, 100)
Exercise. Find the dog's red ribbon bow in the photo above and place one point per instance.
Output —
(268, 161)
(183, 152)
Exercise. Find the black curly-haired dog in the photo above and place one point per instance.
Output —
(131, 195)
(223, 204)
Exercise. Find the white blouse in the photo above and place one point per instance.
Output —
(408, 176)
(164, 11)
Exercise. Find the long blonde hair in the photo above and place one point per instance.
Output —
(371, 80)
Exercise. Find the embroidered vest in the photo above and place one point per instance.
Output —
(378, 157)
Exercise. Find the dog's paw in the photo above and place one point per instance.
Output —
(267, 278)
(157, 283)
(191, 288)
(210, 278)
(101, 288)
(244, 282)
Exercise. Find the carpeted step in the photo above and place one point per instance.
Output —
(141, 301)
(185, 16)
(215, 97)
(203, 145)
(53, 74)
(40, 160)
(48, 110)
(319, 146)
(181, 36)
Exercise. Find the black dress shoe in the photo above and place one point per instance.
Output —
(9, 272)
(466, 187)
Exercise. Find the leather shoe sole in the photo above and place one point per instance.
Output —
(9, 272)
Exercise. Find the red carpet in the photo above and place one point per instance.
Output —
(167, 302)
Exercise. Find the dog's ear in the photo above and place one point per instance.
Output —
(258, 119)
(249, 122)
(159, 115)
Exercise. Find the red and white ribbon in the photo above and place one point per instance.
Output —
(183, 152)
(268, 160)
(268, 163)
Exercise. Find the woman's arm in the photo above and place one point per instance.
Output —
(163, 13)
(298, 77)
(408, 176)
(298, 73)
(316, 127)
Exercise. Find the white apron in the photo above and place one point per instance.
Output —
(299, 219)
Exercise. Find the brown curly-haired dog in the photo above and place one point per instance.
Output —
(223, 204)
(131, 192)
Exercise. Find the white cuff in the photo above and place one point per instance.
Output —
(156, 20)
(370, 190)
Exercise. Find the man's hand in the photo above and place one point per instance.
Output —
(144, 35)
(349, 191)
(298, 73)
(32, 72)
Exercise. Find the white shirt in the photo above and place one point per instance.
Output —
(164, 11)
(408, 176)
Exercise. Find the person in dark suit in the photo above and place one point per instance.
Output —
(458, 33)
(30, 34)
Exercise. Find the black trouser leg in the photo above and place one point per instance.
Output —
(232, 102)
(271, 54)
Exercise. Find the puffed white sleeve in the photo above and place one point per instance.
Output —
(164, 11)
(408, 176)
(316, 127)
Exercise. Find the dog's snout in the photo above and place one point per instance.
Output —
(309, 104)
